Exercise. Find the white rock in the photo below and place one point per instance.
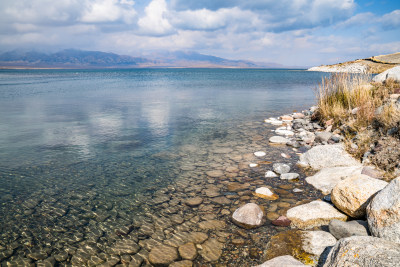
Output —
(393, 73)
(270, 174)
(281, 168)
(315, 213)
(284, 132)
(297, 190)
(325, 156)
(282, 261)
(260, 154)
(248, 216)
(383, 212)
(353, 194)
(253, 165)
(264, 191)
(315, 242)
(273, 121)
(279, 140)
(327, 178)
(289, 176)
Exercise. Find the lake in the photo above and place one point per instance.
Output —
(97, 166)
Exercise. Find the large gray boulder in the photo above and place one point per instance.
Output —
(248, 216)
(353, 194)
(325, 156)
(393, 73)
(383, 212)
(363, 251)
(284, 261)
(340, 229)
(313, 214)
(326, 179)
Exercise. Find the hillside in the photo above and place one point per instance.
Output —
(71, 58)
(375, 64)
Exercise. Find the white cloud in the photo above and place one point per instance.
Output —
(109, 11)
(358, 20)
(204, 19)
(391, 20)
(155, 22)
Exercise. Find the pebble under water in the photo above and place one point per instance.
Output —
(113, 208)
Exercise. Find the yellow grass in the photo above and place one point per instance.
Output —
(341, 93)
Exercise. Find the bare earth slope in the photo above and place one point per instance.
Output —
(375, 64)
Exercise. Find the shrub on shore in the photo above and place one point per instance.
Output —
(361, 110)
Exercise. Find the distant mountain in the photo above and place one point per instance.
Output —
(71, 58)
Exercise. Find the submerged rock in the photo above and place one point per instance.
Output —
(279, 140)
(315, 213)
(363, 251)
(270, 174)
(325, 156)
(266, 193)
(211, 250)
(163, 255)
(281, 168)
(248, 216)
(383, 212)
(289, 176)
(305, 246)
(353, 194)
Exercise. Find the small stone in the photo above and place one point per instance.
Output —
(163, 255)
(286, 118)
(215, 173)
(272, 216)
(238, 241)
(211, 250)
(281, 221)
(188, 251)
(260, 154)
(279, 140)
(253, 165)
(281, 168)
(266, 193)
(212, 225)
(248, 216)
(270, 174)
(289, 176)
(184, 263)
(193, 202)
(297, 190)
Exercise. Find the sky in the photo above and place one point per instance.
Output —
(290, 32)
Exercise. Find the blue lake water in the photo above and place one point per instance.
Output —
(85, 153)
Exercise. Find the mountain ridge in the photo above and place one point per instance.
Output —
(74, 58)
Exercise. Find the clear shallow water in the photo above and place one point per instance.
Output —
(86, 152)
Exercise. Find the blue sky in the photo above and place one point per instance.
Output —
(291, 32)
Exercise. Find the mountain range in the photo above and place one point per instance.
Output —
(72, 58)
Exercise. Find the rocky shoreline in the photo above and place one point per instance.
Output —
(356, 223)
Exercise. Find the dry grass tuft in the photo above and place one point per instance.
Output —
(346, 97)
